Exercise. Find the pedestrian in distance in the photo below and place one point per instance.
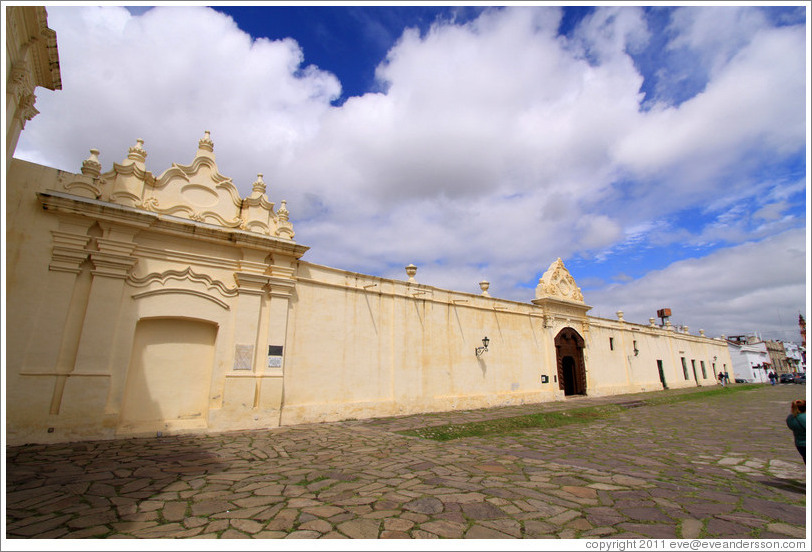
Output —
(772, 377)
(721, 378)
(796, 421)
(727, 377)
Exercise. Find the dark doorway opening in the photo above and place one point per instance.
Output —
(569, 348)
(662, 373)
(568, 367)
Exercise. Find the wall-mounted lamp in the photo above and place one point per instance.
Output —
(480, 350)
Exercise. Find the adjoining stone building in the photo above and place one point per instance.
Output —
(778, 357)
(140, 303)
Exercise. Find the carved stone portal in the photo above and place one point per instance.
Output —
(569, 353)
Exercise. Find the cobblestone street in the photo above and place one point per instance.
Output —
(712, 467)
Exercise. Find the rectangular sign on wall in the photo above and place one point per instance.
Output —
(274, 356)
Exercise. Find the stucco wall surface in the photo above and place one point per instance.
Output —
(137, 313)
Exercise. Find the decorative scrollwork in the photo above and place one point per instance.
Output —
(187, 274)
(150, 204)
(558, 282)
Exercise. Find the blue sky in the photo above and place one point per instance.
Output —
(661, 152)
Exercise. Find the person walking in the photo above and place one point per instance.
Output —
(796, 421)
(721, 378)
(772, 377)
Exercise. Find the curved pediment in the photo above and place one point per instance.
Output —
(196, 191)
(558, 283)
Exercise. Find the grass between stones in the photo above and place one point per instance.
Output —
(544, 420)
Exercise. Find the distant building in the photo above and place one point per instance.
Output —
(795, 356)
(750, 358)
(778, 357)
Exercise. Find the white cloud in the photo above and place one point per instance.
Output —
(714, 34)
(755, 286)
(743, 112)
(612, 32)
(162, 77)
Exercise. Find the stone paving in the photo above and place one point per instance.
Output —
(713, 467)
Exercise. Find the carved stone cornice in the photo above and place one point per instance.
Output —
(68, 252)
(113, 259)
(45, 54)
(25, 108)
(250, 283)
(557, 312)
(111, 266)
(281, 287)
(33, 59)
(20, 82)
(68, 204)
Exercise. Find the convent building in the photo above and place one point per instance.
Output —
(140, 303)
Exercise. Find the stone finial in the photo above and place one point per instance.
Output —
(723, 337)
(620, 316)
(283, 213)
(137, 152)
(259, 185)
(205, 143)
(91, 165)
(685, 329)
(283, 226)
(652, 322)
(411, 270)
(484, 285)
(702, 333)
(668, 325)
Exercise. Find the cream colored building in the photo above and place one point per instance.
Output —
(32, 60)
(140, 303)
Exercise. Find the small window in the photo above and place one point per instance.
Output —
(704, 373)
(684, 368)
(611, 343)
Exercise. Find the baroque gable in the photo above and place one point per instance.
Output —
(196, 191)
(558, 283)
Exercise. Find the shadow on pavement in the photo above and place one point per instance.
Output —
(790, 485)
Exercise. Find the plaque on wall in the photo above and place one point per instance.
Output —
(243, 355)
(274, 356)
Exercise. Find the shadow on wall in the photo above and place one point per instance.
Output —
(169, 376)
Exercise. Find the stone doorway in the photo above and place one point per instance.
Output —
(569, 352)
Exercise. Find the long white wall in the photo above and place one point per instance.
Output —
(215, 328)
(363, 346)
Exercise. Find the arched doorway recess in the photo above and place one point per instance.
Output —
(169, 376)
(569, 356)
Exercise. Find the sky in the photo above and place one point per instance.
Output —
(660, 152)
